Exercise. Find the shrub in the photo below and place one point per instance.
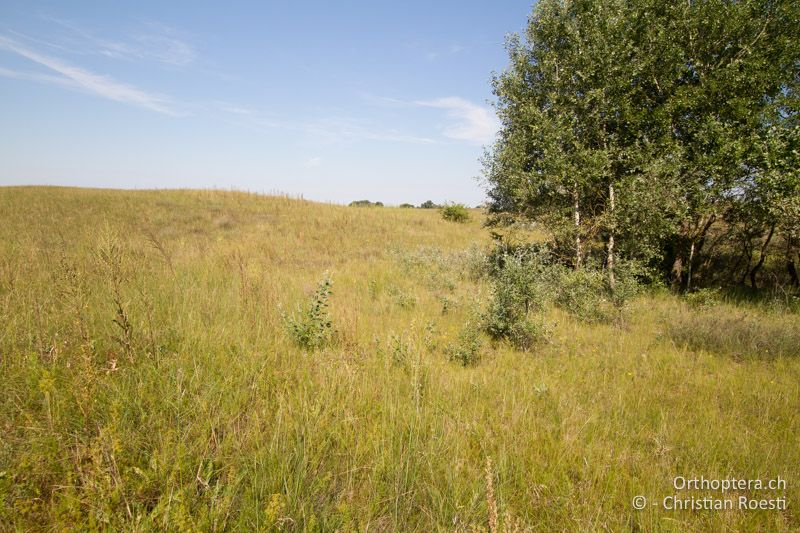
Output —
(527, 333)
(526, 280)
(584, 294)
(467, 349)
(518, 296)
(407, 206)
(365, 203)
(538, 252)
(427, 204)
(631, 277)
(455, 213)
(703, 297)
(312, 327)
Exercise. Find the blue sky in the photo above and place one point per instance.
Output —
(332, 100)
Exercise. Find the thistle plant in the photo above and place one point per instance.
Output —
(312, 327)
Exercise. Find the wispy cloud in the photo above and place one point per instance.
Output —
(160, 46)
(468, 121)
(82, 79)
(38, 77)
(234, 109)
(152, 41)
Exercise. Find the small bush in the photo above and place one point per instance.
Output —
(703, 298)
(518, 298)
(538, 252)
(365, 203)
(527, 333)
(407, 206)
(312, 327)
(528, 279)
(584, 294)
(741, 335)
(399, 350)
(455, 213)
(467, 349)
(428, 204)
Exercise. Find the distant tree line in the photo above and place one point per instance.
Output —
(428, 204)
(365, 203)
(661, 134)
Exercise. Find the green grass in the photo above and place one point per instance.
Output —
(150, 382)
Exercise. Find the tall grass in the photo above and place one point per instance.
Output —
(737, 333)
(150, 383)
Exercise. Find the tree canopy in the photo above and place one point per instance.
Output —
(660, 133)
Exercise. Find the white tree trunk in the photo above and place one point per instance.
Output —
(578, 245)
(611, 279)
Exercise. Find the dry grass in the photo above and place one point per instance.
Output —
(149, 381)
(742, 334)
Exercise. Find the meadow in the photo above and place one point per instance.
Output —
(151, 379)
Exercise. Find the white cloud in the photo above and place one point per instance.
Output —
(469, 122)
(76, 77)
(161, 47)
(36, 76)
(152, 42)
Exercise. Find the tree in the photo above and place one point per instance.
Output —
(630, 128)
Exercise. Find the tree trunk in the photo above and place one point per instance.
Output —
(696, 248)
(790, 266)
(761, 258)
(687, 251)
(792, 273)
(677, 273)
(578, 245)
(612, 282)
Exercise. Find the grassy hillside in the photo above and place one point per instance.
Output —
(150, 380)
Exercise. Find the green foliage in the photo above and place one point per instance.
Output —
(518, 297)
(633, 132)
(584, 294)
(428, 204)
(455, 213)
(365, 203)
(468, 347)
(406, 206)
(705, 297)
(311, 327)
(525, 282)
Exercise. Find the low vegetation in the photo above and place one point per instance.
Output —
(311, 327)
(455, 213)
(176, 360)
(737, 333)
